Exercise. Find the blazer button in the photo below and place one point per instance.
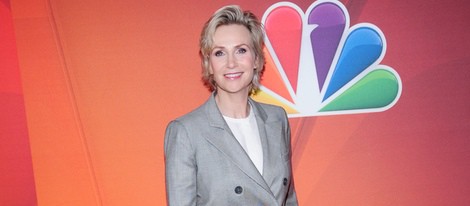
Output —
(238, 190)
(284, 181)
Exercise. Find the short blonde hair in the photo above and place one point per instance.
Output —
(227, 15)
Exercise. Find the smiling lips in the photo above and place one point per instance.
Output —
(233, 75)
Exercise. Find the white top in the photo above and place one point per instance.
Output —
(247, 133)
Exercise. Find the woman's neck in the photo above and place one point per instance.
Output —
(233, 106)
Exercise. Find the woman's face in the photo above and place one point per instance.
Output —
(232, 59)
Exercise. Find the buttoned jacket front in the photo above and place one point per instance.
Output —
(205, 164)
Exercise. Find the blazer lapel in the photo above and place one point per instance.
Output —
(272, 130)
(223, 139)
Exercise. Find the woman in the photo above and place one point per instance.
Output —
(231, 150)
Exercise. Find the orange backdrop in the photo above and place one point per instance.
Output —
(96, 82)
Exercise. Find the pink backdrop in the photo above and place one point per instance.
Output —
(87, 88)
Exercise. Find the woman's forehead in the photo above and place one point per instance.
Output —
(232, 35)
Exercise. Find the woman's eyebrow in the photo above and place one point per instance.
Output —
(236, 46)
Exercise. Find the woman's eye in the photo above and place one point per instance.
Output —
(218, 53)
(241, 50)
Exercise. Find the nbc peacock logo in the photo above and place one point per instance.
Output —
(316, 64)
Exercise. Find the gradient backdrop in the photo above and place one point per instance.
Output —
(87, 88)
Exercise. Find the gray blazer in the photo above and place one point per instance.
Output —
(205, 164)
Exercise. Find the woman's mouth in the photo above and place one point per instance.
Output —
(233, 75)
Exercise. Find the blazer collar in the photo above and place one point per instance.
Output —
(215, 116)
(223, 139)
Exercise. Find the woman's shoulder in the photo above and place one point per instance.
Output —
(270, 110)
(268, 106)
(199, 114)
(271, 107)
(189, 122)
(193, 116)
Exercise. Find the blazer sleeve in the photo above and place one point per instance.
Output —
(180, 166)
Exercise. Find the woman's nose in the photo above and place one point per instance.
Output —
(231, 61)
